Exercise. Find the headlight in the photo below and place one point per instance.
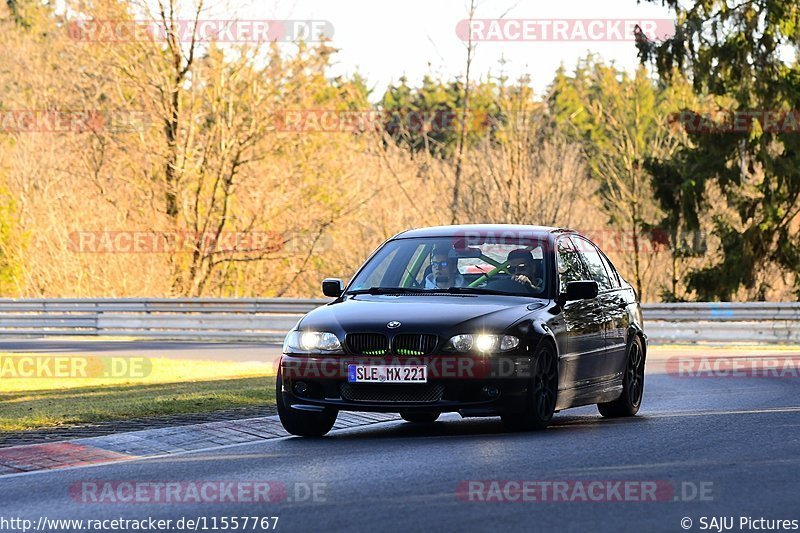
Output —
(461, 343)
(311, 342)
(483, 343)
(508, 342)
(487, 343)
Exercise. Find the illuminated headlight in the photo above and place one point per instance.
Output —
(484, 343)
(311, 342)
(487, 343)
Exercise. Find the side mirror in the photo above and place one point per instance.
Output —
(332, 287)
(581, 290)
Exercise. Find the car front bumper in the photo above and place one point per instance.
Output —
(485, 387)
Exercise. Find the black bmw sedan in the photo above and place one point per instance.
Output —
(484, 320)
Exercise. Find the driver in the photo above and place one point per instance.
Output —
(444, 273)
(521, 268)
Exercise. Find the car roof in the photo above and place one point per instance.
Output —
(458, 230)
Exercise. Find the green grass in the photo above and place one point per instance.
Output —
(42, 409)
(171, 388)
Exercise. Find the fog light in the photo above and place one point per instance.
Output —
(300, 388)
(490, 392)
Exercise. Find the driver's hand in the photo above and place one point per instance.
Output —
(522, 279)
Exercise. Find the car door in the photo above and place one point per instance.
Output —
(582, 343)
(621, 297)
(613, 303)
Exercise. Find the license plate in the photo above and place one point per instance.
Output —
(387, 374)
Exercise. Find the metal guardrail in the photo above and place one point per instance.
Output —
(179, 318)
(269, 318)
(766, 322)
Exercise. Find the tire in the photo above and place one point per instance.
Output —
(542, 394)
(419, 418)
(303, 423)
(630, 400)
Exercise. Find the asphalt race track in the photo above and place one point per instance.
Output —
(715, 446)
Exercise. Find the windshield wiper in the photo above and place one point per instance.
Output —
(388, 290)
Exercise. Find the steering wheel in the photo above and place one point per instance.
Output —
(493, 272)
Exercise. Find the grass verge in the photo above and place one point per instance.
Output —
(170, 387)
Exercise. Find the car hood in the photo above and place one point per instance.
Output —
(451, 314)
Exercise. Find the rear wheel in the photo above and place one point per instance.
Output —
(303, 423)
(420, 418)
(542, 392)
(630, 400)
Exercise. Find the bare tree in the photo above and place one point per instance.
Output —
(462, 135)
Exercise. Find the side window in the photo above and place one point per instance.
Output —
(612, 272)
(570, 266)
(591, 255)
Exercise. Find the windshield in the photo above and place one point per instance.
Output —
(478, 265)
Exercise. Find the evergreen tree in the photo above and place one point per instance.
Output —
(745, 57)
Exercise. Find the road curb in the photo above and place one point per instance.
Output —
(157, 442)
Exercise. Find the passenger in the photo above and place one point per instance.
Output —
(444, 270)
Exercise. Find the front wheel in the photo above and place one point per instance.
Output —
(303, 423)
(542, 392)
(630, 400)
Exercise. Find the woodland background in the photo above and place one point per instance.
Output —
(191, 139)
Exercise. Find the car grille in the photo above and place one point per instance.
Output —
(378, 344)
(414, 344)
(367, 343)
(384, 393)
